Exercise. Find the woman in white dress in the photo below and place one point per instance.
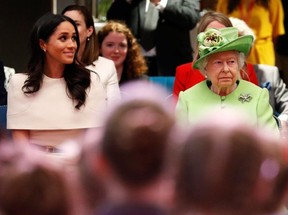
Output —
(57, 99)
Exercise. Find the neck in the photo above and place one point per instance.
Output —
(54, 71)
(223, 91)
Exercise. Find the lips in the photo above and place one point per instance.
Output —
(69, 54)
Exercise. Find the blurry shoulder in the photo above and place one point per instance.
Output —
(249, 85)
(102, 61)
(102, 66)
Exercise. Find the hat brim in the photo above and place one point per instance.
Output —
(241, 44)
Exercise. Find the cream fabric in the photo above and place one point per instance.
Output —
(50, 108)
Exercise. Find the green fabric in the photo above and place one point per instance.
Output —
(195, 102)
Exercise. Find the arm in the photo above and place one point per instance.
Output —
(112, 88)
(20, 136)
(281, 97)
(265, 112)
(179, 83)
(181, 109)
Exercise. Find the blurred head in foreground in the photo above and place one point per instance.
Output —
(230, 168)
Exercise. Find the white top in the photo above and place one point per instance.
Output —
(50, 108)
(105, 68)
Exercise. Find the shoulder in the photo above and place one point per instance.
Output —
(17, 79)
(103, 61)
(200, 87)
(102, 66)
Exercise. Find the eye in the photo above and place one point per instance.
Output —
(217, 62)
(63, 38)
(123, 46)
(231, 62)
(110, 45)
(74, 38)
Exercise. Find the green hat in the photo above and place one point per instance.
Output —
(219, 40)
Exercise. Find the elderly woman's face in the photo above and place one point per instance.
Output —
(222, 69)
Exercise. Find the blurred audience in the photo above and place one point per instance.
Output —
(128, 159)
(227, 167)
(31, 186)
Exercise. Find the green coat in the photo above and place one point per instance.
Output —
(248, 98)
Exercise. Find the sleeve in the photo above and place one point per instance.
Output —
(277, 17)
(184, 15)
(265, 112)
(179, 83)
(281, 96)
(112, 88)
(252, 74)
(181, 109)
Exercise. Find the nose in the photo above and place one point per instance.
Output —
(116, 49)
(225, 67)
(72, 44)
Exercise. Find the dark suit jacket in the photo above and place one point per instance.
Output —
(173, 45)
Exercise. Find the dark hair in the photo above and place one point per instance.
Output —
(135, 141)
(233, 4)
(76, 76)
(91, 50)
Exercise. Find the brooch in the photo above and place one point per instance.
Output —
(245, 98)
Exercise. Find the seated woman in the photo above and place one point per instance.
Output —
(117, 43)
(221, 57)
(187, 76)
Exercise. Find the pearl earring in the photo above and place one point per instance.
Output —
(88, 38)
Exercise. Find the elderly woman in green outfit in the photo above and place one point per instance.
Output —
(220, 59)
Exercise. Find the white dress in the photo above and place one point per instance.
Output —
(50, 115)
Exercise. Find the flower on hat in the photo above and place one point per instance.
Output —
(210, 40)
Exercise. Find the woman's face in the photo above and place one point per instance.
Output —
(83, 31)
(115, 47)
(222, 69)
(61, 45)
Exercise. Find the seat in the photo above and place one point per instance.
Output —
(3, 116)
(165, 81)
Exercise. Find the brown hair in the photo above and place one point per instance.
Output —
(220, 169)
(135, 140)
(29, 187)
(134, 64)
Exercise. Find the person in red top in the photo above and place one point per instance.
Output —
(187, 76)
